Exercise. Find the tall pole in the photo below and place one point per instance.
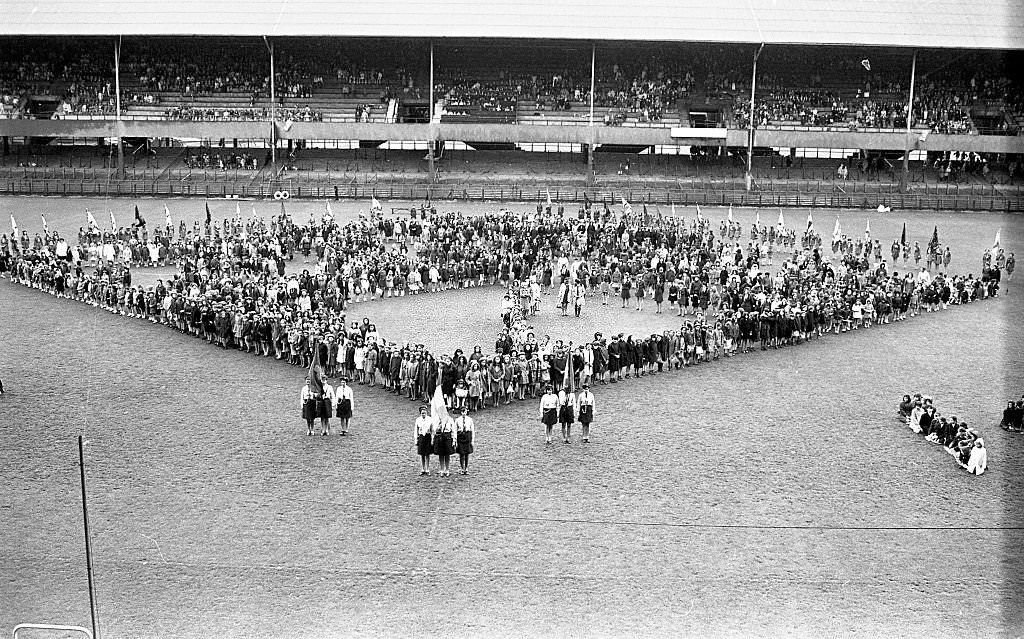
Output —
(88, 544)
(593, 89)
(750, 123)
(117, 105)
(430, 115)
(273, 109)
(593, 79)
(905, 178)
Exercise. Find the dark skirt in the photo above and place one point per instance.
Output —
(550, 416)
(423, 444)
(586, 414)
(345, 408)
(443, 444)
(310, 408)
(324, 408)
(465, 443)
(565, 415)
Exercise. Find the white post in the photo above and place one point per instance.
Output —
(750, 123)
(593, 79)
(430, 116)
(117, 104)
(273, 109)
(904, 182)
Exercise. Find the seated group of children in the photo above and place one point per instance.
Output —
(962, 442)
(1013, 416)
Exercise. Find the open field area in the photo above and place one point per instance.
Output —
(770, 494)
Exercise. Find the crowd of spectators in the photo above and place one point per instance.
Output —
(208, 159)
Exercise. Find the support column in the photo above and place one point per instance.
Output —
(905, 177)
(273, 110)
(430, 117)
(593, 88)
(117, 106)
(750, 123)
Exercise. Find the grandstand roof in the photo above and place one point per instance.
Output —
(977, 24)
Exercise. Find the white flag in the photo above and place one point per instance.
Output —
(810, 222)
(866, 64)
(698, 213)
(867, 229)
(438, 410)
(375, 204)
(757, 218)
(782, 221)
(330, 213)
(996, 243)
(92, 220)
(14, 225)
(113, 222)
(837, 231)
(730, 214)
(167, 216)
(238, 211)
(549, 197)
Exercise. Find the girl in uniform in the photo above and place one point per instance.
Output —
(443, 446)
(585, 404)
(310, 406)
(343, 395)
(566, 412)
(548, 411)
(424, 432)
(465, 438)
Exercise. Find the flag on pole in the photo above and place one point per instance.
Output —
(673, 209)
(438, 410)
(782, 220)
(316, 380)
(837, 232)
(866, 64)
(167, 216)
(548, 191)
(139, 220)
(238, 211)
(330, 213)
(14, 225)
(903, 236)
(698, 213)
(757, 217)
(375, 204)
(810, 222)
(209, 217)
(113, 222)
(46, 228)
(730, 214)
(934, 243)
(996, 243)
(283, 212)
(626, 208)
(867, 230)
(93, 224)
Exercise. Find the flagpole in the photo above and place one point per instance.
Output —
(750, 123)
(88, 543)
(593, 88)
(904, 181)
(430, 116)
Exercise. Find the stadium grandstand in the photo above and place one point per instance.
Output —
(801, 104)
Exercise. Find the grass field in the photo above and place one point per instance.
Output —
(772, 494)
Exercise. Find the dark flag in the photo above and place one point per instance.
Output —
(903, 237)
(316, 380)
(139, 221)
(209, 218)
(935, 239)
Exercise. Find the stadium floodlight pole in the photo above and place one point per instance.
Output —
(88, 544)
(750, 122)
(117, 105)
(905, 177)
(273, 110)
(593, 88)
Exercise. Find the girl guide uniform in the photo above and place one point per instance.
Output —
(548, 411)
(585, 410)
